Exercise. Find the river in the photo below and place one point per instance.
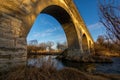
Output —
(112, 68)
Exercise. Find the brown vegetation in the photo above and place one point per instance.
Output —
(104, 47)
(85, 58)
(48, 72)
(109, 44)
(44, 48)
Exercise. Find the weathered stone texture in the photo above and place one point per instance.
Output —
(12, 43)
(18, 16)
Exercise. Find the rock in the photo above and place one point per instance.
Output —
(84, 58)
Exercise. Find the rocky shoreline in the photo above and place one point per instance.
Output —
(87, 58)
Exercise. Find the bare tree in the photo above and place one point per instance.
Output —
(62, 46)
(49, 45)
(33, 42)
(43, 46)
(109, 13)
(100, 40)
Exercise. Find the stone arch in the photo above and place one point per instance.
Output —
(90, 46)
(84, 43)
(17, 18)
(63, 17)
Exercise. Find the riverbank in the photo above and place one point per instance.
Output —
(84, 58)
(50, 73)
(108, 53)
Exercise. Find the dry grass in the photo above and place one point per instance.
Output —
(43, 73)
(48, 72)
(33, 73)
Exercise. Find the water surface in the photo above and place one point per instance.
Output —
(113, 68)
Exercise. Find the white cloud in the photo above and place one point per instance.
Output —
(41, 34)
(46, 33)
(95, 26)
(96, 30)
(52, 30)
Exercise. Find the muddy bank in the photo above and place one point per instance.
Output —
(90, 58)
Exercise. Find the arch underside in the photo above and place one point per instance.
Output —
(18, 16)
(84, 44)
(65, 20)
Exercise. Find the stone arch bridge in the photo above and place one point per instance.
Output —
(18, 16)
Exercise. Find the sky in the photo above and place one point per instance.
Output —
(47, 28)
(88, 9)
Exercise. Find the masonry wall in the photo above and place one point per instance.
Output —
(12, 43)
(16, 20)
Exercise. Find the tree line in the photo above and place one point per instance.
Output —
(104, 44)
(109, 16)
(35, 47)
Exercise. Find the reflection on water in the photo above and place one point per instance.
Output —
(87, 67)
(40, 60)
(110, 67)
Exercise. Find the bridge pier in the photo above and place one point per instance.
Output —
(17, 18)
(13, 50)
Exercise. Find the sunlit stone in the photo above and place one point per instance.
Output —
(18, 16)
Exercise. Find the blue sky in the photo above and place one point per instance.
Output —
(46, 28)
(89, 11)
